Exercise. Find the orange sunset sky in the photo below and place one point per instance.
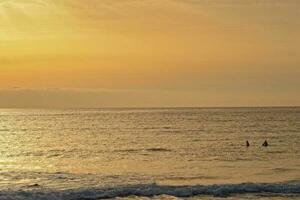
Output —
(106, 53)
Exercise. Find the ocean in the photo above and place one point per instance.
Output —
(150, 153)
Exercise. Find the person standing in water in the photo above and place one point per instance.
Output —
(265, 144)
(247, 143)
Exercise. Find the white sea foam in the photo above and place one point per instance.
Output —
(272, 189)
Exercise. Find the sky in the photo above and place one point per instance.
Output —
(149, 53)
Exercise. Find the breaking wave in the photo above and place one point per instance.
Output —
(150, 190)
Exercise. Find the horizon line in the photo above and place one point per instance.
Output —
(152, 107)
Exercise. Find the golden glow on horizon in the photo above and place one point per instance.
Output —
(163, 45)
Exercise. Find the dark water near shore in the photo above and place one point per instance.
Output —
(184, 153)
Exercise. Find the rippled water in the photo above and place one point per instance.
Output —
(140, 153)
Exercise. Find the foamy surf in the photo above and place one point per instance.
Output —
(226, 190)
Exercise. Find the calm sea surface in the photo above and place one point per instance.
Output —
(150, 153)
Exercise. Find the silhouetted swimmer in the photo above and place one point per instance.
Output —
(34, 185)
(265, 144)
(247, 143)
